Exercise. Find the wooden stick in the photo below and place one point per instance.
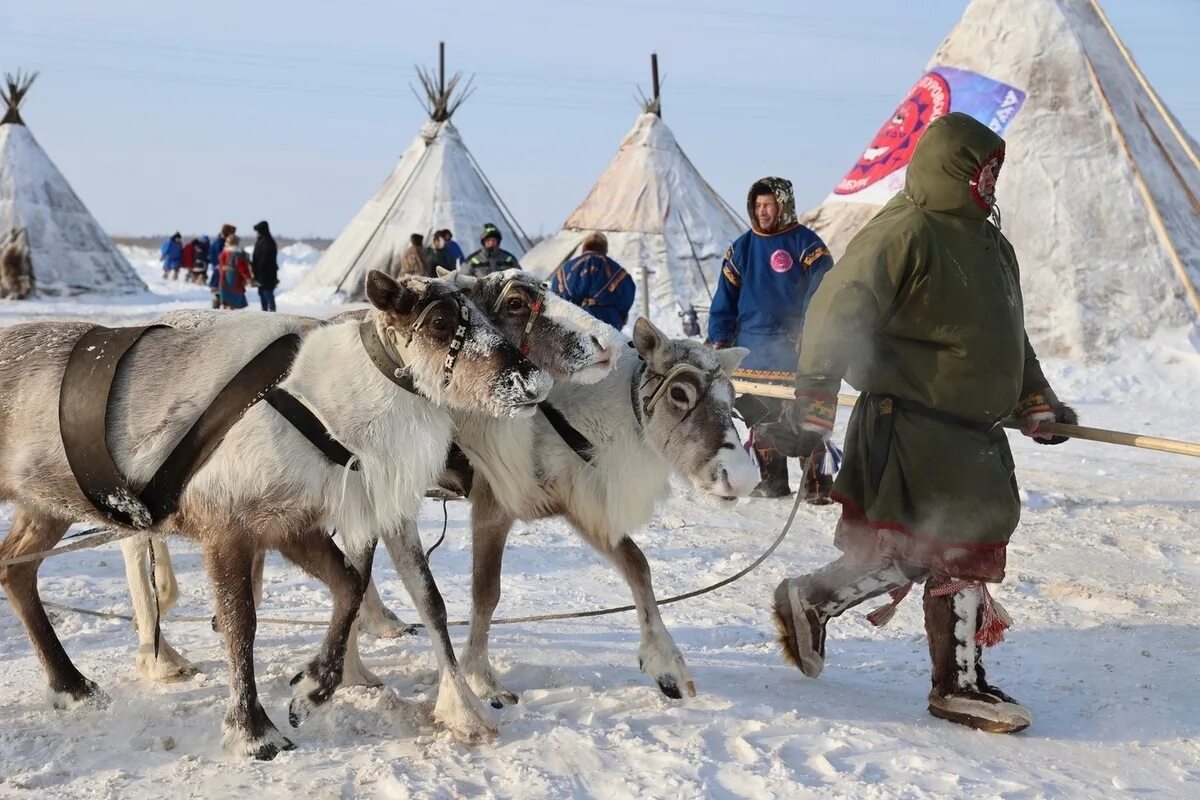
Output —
(1057, 428)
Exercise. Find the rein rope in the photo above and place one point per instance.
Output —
(563, 615)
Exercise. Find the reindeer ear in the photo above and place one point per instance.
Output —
(388, 295)
(448, 274)
(648, 339)
(731, 357)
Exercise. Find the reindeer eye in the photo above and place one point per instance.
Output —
(515, 304)
(442, 324)
(679, 395)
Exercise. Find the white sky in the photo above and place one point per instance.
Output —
(182, 116)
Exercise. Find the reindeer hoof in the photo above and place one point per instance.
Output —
(268, 750)
(501, 699)
(668, 669)
(87, 695)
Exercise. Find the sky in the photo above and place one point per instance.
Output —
(175, 115)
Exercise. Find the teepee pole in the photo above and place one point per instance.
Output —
(1156, 219)
(1058, 428)
(1137, 73)
(654, 81)
(442, 69)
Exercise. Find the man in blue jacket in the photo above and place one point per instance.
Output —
(172, 255)
(769, 275)
(596, 283)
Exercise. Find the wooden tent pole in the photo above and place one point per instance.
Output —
(1058, 428)
(654, 79)
(441, 69)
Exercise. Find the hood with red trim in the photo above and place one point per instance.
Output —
(955, 166)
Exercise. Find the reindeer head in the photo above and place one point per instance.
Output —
(685, 399)
(558, 336)
(455, 355)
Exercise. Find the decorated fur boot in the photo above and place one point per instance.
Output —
(804, 605)
(960, 619)
(772, 469)
(817, 482)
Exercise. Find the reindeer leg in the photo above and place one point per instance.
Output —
(658, 656)
(248, 731)
(317, 555)
(169, 666)
(377, 619)
(490, 525)
(32, 532)
(354, 671)
(457, 708)
(164, 576)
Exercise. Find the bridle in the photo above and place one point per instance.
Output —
(535, 309)
(644, 406)
(456, 343)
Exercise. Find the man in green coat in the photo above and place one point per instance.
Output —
(924, 315)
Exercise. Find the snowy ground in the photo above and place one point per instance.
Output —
(1104, 583)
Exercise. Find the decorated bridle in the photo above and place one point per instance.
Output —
(535, 309)
(647, 404)
(456, 343)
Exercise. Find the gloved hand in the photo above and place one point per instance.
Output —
(1042, 406)
(807, 423)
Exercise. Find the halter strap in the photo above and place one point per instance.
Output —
(390, 366)
(535, 310)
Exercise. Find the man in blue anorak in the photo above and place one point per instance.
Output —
(596, 283)
(768, 277)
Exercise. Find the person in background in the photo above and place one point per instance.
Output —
(214, 254)
(233, 274)
(456, 253)
(596, 283)
(489, 258)
(417, 258)
(172, 256)
(264, 265)
(769, 275)
(198, 265)
(441, 254)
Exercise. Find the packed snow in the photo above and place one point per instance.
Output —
(1104, 582)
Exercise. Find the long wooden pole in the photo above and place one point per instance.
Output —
(1074, 431)
(654, 79)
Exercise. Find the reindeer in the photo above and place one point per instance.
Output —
(266, 486)
(16, 265)
(567, 343)
(666, 408)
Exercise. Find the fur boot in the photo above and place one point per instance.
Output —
(773, 471)
(960, 691)
(817, 482)
(804, 605)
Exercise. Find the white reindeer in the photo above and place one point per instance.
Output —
(566, 342)
(266, 486)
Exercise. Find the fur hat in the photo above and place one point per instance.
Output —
(228, 230)
(596, 242)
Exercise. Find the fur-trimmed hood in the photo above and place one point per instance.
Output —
(782, 189)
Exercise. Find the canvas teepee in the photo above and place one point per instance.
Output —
(1099, 189)
(70, 252)
(658, 213)
(437, 184)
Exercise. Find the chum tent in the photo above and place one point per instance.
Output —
(436, 184)
(658, 213)
(70, 252)
(1100, 185)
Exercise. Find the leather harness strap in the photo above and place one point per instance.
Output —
(84, 398)
(82, 413)
(248, 386)
(393, 370)
(311, 427)
(567, 432)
